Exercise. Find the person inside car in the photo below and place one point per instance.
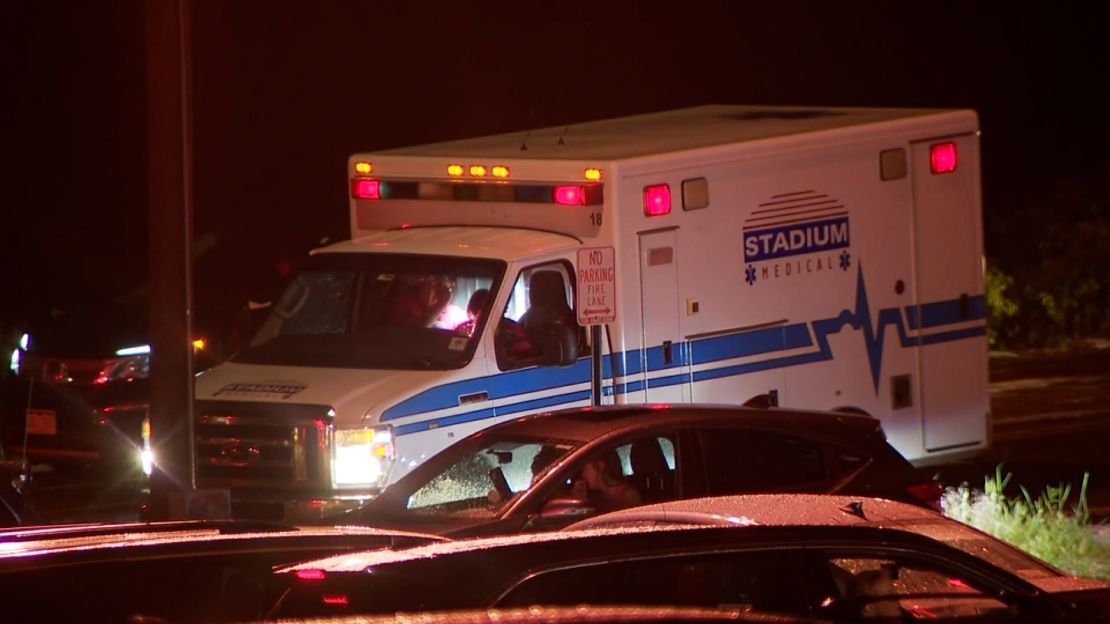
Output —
(603, 484)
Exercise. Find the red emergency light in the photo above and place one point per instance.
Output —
(942, 157)
(311, 574)
(657, 200)
(570, 195)
(366, 188)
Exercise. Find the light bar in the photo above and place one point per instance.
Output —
(366, 188)
(478, 171)
(570, 195)
(454, 170)
(500, 171)
(482, 190)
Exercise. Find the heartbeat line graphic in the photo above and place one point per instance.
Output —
(860, 320)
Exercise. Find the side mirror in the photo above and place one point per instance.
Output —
(560, 343)
(566, 510)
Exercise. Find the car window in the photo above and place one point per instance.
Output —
(745, 460)
(540, 296)
(888, 588)
(649, 464)
(479, 483)
(748, 581)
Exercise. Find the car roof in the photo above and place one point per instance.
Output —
(774, 510)
(834, 510)
(24, 547)
(588, 423)
(816, 513)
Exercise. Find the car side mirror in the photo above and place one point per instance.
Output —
(566, 510)
(560, 343)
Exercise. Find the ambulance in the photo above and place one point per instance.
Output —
(818, 258)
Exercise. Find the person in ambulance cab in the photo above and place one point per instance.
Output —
(419, 300)
(510, 338)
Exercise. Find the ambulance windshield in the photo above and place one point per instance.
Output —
(390, 311)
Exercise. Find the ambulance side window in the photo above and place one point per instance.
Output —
(542, 297)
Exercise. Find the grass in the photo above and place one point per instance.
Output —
(1046, 526)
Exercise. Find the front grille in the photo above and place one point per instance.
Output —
(261, 445)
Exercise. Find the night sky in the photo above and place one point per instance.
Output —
(285, 91)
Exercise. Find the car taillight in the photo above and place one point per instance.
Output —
(928, 492)
(311, 574)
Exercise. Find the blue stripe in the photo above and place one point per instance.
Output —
(958, 334)
(704, 351)
(946, 312)
(751, 343)
(527, 406)
(512, 383)
(425, 425)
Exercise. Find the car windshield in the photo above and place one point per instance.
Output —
(389, 311)
(478, 480)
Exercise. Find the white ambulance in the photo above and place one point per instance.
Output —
(822, 258)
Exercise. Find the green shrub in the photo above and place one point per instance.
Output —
(1044, 526)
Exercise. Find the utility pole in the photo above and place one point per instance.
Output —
(170, 209)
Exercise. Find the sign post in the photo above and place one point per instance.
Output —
(597, 301)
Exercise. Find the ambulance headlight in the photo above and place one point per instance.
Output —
(362, 457)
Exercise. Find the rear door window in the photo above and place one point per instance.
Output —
(745, 460)
(765, 582)
(892, 590)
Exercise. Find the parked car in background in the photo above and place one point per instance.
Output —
(74, 411)
(526, 474)
(15, 505)
(844, 558)
(185, 571)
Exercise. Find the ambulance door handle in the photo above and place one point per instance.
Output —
(473, 397)
(667, 356)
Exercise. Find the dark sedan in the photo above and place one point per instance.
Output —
(188, 571)
(828, 557)
(529, 474)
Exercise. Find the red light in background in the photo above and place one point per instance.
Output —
(942, 157)
(366, 188)
(570, 195)
(311, 574)
(336, 600)
(657, 200)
